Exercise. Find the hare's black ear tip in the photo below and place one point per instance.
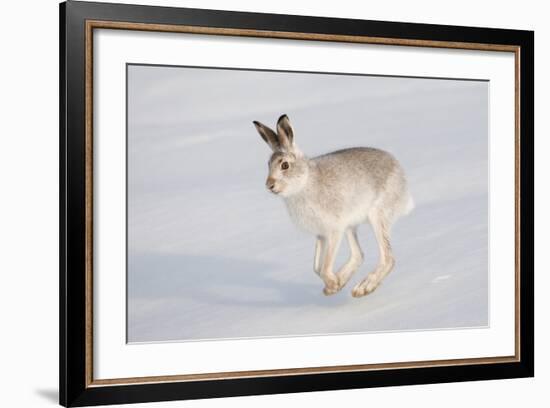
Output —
(256, 123)
(283, 117)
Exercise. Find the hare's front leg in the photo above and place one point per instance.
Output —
(319, 244)
(381, 227)
(330, 244)
(355, 258)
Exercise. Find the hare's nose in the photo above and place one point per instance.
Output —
(270, 183)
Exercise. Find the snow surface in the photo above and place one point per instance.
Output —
(212, 254)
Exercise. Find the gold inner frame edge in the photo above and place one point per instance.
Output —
(92, 24)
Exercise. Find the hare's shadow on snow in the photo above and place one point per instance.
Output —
(221, 281)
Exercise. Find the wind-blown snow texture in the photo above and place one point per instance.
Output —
(212, 254)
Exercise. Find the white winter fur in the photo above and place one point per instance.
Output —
(332, 194)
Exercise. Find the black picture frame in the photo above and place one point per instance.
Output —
(75, 386)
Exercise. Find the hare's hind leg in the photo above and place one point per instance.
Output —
(381, 226)
(355, 259)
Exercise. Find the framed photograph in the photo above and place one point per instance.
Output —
(256, 203)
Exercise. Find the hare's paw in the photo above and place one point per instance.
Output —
(332, 285)
(366, 286)
(330, 290)
(343, 278)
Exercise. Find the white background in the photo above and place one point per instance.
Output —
(28, 216)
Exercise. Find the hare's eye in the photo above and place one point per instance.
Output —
(284, 165)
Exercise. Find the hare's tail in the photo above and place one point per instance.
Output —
(409, 204)
(397, 201)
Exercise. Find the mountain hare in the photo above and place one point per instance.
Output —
(332, 194)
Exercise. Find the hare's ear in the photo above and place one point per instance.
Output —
(285, 133)
(269, 136)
